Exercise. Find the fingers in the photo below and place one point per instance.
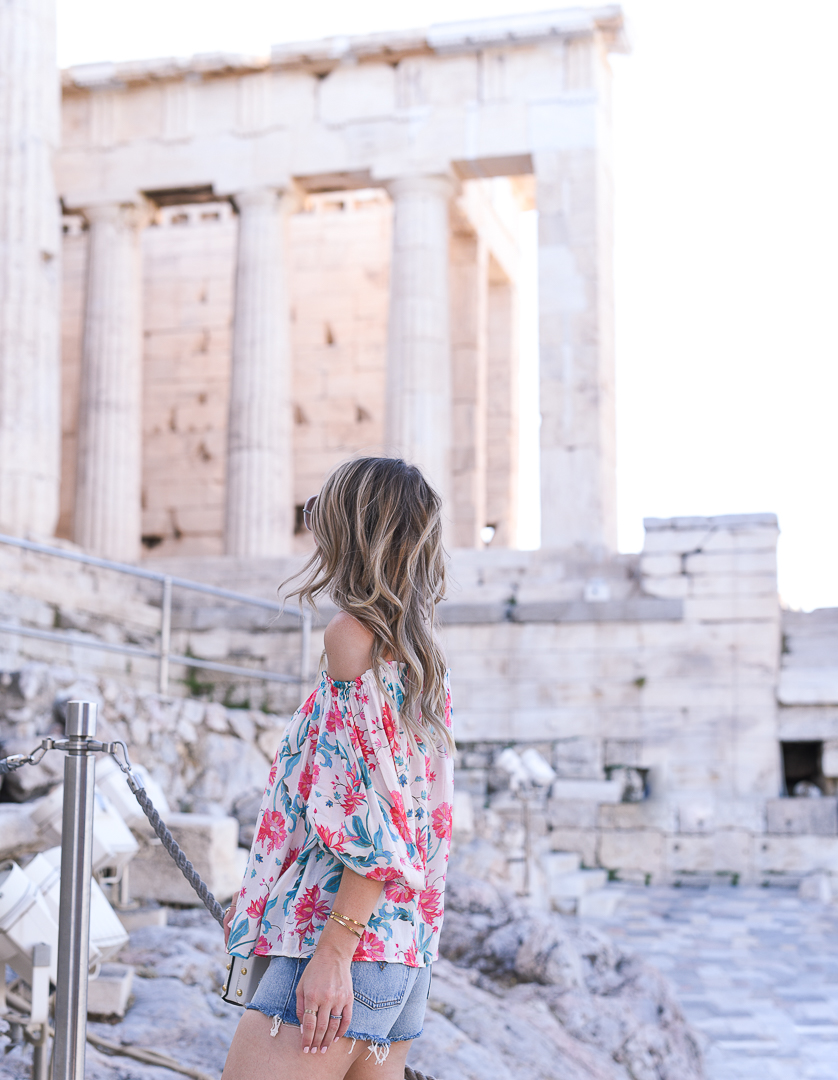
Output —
(321, 1025)
(343, 1024)
(320, 1029)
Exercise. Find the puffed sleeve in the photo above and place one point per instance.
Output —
(359, 784)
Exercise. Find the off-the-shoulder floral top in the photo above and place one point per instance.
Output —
(346, 790)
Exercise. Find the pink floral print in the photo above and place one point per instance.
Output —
(347, 789)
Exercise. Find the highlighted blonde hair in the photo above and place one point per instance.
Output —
(379, 557)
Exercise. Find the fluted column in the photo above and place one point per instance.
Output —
(30, 375)
(576, 346)
(469, 300)
(418, 422)
(259, 511)
(107, 509)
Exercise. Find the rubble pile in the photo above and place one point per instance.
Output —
(203, 754)
(519, 994)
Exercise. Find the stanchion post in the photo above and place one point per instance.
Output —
(74, 910)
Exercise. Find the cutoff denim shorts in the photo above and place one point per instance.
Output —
(389, 1005)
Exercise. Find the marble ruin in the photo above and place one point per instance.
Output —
(270, 264)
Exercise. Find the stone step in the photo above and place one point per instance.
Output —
(560, 862)
(576, 884)
(108, 994)
(599, 904)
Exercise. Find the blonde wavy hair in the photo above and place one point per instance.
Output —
(379, 557)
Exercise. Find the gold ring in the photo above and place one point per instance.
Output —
(310, 1011)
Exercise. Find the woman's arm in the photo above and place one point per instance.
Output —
(326, 984)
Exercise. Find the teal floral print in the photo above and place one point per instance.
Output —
(346, 788)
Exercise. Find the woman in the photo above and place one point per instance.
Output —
(344, 885)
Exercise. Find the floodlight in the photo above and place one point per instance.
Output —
(529, 767)
(538, 768)
(511, 763)
(107, 934)
(25, 921)
(114, 844)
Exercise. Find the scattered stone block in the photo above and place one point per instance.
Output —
(109, 992)
(599, 904)
(18, 833)
(141, 917)
(210, 843)
(575, 884)
(816, 887)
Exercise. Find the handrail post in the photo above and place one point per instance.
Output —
(74, 907)
(305, 651)
(165, 636)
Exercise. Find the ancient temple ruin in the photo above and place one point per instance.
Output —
(270, 264)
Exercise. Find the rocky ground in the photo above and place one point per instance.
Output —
(519, 994)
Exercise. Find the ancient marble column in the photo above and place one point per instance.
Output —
(418, 422)
(469, 370)
(30, 374)
(259, 510)
(502, 408)
(107, 508)
(576, 344)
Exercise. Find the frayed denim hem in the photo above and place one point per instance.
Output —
(378, 1047)
(277, 1020)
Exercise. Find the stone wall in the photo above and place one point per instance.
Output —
(649, 682)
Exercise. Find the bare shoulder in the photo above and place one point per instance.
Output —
(348, 646)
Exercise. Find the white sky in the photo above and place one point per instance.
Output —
(726, 173)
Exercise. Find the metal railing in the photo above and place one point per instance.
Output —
(163, 655)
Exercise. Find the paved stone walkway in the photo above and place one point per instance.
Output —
(756, 971)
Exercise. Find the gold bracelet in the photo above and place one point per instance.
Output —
(346, 926)
(354, 922)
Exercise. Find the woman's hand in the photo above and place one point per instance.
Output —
(228, 918)
(323, 994)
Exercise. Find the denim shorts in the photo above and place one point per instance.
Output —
(389, 1005)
